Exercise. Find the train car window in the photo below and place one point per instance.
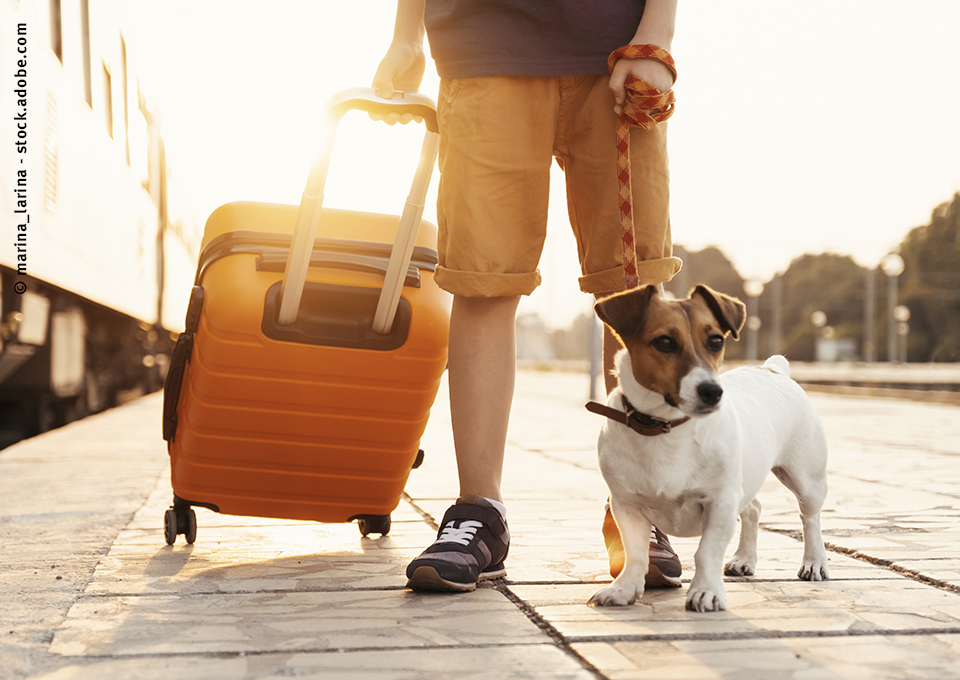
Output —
(51, 156)
(138, 144)
(56, 30)
(126, 99)
(85, 46)
(108, 100)
(152, 181)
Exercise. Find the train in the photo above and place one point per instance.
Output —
(97, 247)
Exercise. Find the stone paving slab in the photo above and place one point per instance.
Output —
(755, 608)
(266, 621)
(540, 662)
(868, 657)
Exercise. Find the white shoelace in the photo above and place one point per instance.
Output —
(463, 534)
(655, 549)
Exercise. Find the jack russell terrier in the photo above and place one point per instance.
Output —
(687, 450)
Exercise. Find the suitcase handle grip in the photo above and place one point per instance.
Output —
(366, 99)
(311, 202)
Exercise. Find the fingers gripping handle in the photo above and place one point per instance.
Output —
(365, 99)
(311, 202)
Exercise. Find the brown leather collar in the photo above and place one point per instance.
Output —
(641, 423)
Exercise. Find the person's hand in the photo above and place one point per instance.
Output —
(401, 69)
(649, 70)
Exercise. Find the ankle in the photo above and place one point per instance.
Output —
(495, 503)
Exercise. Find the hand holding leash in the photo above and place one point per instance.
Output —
(645, 106)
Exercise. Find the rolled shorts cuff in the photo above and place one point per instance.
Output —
(649, 272)
(486, 284)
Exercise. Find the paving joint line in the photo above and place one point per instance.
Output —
(763, 635)
(81, 592)
(555, 459)
(89, 658)
(427, 517)
(501, 586)
(889, 565)
(558, 639)
(726, 577)
(221, 593)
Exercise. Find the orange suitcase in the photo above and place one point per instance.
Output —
(305, 376)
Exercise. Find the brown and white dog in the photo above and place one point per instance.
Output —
(723, 435)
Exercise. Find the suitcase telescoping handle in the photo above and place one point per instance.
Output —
(401, 107)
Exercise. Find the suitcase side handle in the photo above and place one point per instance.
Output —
(311, 202)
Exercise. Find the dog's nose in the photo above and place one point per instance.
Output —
(709, 393)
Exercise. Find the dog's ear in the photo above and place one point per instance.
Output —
(730, 313)
(625, 312)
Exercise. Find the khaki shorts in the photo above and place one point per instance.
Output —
(498, 137)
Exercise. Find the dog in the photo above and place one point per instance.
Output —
(699, 445)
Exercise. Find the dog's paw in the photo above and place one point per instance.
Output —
(740, 566)
(615, 595)
(706, 600)
(814, 570)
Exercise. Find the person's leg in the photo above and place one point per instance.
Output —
(482, 369)
(495, 157)
(610, 346)
(474, 538)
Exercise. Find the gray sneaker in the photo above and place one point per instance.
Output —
(471, 546)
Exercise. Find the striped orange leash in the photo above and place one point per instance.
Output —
(645, 107)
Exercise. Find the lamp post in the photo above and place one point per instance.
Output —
(902, 315)
(754, 289)
(819, 320)
(869, 321)
(776, 291)
(892, 266)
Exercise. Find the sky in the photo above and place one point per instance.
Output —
(819, 126)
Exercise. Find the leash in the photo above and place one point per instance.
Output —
(641, 95)
(640, 423)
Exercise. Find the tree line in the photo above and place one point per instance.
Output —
(840, 289)
(835, 285)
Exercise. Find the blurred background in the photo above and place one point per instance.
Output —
(811, 142)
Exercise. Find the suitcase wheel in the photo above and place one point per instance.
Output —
(170, 526)
(178, 521)
(191, 528)
(374, 524)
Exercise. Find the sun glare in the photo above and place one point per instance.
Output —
(765, 180)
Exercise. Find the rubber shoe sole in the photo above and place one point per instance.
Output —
(656, 579)
(428, 580)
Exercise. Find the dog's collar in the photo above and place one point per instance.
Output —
(640, 423)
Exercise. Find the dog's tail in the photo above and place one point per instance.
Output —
(778, 364)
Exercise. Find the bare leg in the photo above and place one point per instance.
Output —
(483, 366)
(610, 348)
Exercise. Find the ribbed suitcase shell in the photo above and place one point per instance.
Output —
(282, 429)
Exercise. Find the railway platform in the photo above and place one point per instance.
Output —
(90, 590)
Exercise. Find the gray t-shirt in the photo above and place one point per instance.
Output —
(470, 38)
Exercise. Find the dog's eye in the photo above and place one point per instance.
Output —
(715, 343)
(665, 344)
